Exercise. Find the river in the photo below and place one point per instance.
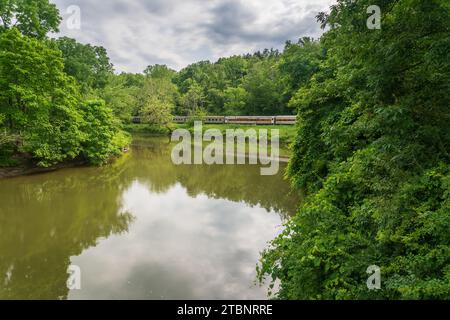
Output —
(140, 228)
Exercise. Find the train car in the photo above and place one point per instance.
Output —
(238, 120)
(214, 120)
(251, 120)
(286, 120)
(180, 119)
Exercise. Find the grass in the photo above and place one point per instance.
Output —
(287, 133)
(145, 129)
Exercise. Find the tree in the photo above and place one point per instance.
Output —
(161, 88)
(157, 112)
(194, 99)
(157, 99)
(264, 89)
(89, 65)
(42, 105)
(235, 101)
(298, 63)
(372, 153)
(32, 18)
(198, 72)
(104, 137)
(267, 86)
(39, 101)
(122, 94)
(8, 145)
(158, 71)
(235, 69)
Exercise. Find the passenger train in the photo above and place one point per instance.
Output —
(239, 120)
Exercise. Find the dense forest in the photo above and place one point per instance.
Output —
(262, 83)
(44, 113)
(372, 152)
(62, 100)
(373, 156)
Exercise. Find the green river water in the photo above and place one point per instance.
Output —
(140, 228)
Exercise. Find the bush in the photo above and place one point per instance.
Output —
(103, 135)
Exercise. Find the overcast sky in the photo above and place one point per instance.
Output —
(138, 33)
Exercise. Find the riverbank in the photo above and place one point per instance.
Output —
(26, 166)
(287, 133)
(26, 169)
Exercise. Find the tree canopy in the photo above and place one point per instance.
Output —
(372, 153)
(32, 18)
(89, 65)
(43, 114)
(253, 84)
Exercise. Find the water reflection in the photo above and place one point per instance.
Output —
(140, 229)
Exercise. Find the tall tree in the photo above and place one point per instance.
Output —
(157, 99)
(33, 18)
(194, 99)
(159, 71)
(103, 135)
(264, 90)
(298, 63)
(122, 93)
(38, 99)
(89, 65)
(235, 101)
(41, 104)
(373, 154)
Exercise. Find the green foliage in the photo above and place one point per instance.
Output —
(235, 101)
(258, 84)
(41, 107)
(104, 137)
(264, 90)
(194, 99)
(372, 149)
(89, 65)
(159, 72)
(197, 114)
(8, 146)
(32, 18)
(372, 153)
(298, 63)
(38, 100)
(156, 112)
(157, 98)
(239, 85)
(122, 94)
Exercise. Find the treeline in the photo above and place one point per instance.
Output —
(373, 156)
(61, 100)
(254, 84)
(45, 114)
(262, 83)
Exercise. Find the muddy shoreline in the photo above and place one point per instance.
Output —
(29, 169)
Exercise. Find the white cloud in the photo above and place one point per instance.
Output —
(179, 247)
(137, 33)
